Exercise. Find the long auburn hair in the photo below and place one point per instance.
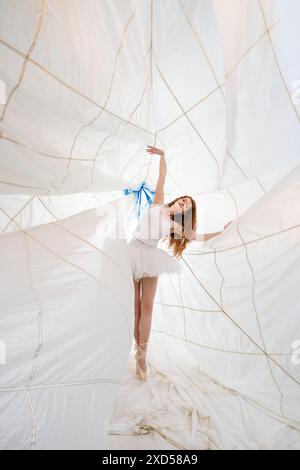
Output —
(188, 220)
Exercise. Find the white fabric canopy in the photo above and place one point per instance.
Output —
(85, 86)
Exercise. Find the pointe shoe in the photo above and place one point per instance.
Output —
(140, 355)
(136, 347)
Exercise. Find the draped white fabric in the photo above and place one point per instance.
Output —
(85, 85)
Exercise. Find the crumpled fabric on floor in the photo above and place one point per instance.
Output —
(187, 409)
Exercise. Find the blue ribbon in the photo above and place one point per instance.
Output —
(142, 194)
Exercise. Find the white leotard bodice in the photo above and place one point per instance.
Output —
(153, 226)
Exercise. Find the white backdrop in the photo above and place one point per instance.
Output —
(88, 85)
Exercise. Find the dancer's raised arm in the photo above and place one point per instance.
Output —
(159, 191)
(203, 237)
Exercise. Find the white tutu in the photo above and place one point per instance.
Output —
(151, 261)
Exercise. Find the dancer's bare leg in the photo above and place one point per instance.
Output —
(149, 285)
(137, 308)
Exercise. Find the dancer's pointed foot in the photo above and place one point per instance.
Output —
(140, 357)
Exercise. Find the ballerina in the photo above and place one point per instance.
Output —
(175, 221)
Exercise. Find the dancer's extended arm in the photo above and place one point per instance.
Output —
(203, 237)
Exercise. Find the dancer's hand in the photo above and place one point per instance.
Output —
(154, 150)
(225, 226)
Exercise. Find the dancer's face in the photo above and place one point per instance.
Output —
(182, 205)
